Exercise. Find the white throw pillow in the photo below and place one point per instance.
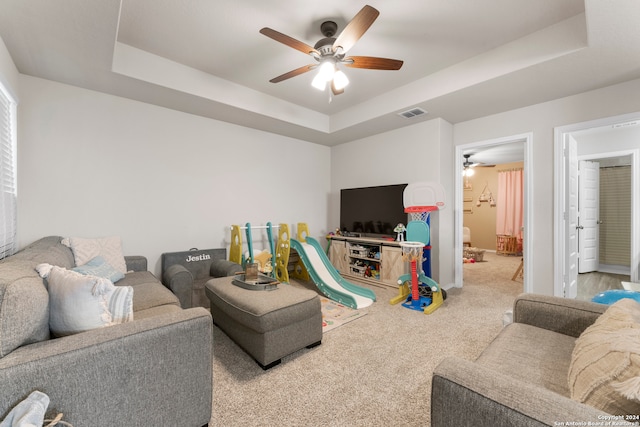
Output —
(77, 303)
(110, 248)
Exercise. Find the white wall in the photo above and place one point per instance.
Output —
(608, 140)
(8, 71)
(541, 119)
(92, 165)
(421, 152)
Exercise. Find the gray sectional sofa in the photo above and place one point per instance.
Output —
(521, 378)
(155, 370)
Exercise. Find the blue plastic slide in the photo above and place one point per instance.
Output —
(327, 278)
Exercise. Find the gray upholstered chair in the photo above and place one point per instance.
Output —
(185, 273)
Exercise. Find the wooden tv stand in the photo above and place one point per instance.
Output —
(371, 260)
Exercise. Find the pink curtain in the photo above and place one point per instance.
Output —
(509, 203)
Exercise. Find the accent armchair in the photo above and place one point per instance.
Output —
(186, 273)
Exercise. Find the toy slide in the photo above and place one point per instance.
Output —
(327, 278)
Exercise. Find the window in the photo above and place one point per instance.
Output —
(8, 188)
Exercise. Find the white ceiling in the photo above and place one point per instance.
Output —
(497, 154)
(463, 59)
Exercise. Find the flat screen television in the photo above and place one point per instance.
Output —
(372, 211)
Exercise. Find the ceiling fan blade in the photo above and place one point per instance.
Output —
(334, 90)
(289, 41)
(356, 28)
(293, 73)
(373, 63)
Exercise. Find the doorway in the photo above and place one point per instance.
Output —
(604, 234)
(605, 138)
(524, 140)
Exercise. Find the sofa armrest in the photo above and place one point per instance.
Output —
(223, 268)
(180, 281)
(152, 371)
(136, 263)
(563, 315)
(464, 393)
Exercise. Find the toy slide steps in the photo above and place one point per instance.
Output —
(327, 278)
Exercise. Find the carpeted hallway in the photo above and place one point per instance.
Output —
(374, 371)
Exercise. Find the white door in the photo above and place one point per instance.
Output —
(589, 208)
(571, 212)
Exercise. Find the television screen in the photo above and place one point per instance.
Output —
(372, 210)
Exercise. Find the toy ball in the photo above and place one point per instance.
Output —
(472, 260)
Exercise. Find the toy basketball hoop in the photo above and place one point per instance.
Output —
(412, 251)
(419, 213)
(420, 198)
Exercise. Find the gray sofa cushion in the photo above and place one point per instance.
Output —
(517, 353)
(147, 291)
(24, 309)
(46, 250)
(24, 300)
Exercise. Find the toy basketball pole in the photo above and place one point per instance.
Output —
(415, 293)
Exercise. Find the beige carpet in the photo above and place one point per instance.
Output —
(375, 371)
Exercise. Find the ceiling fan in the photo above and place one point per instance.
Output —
(467, 165)
(331, 51)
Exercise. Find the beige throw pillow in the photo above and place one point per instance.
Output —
(605, 364)
(110, 248)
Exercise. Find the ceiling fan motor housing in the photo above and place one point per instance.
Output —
(328, 28)
(325, 45)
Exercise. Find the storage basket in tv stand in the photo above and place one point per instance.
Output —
(371, 260)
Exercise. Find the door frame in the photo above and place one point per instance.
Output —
(527, 250)
(560, 185)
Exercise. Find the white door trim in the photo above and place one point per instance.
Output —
(560, 184)
(527, 139)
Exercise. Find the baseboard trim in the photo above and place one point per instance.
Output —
(614, 269)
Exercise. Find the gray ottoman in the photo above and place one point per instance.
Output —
(266, 324)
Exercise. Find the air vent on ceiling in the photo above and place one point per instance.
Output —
(414, 112)
(625, 125)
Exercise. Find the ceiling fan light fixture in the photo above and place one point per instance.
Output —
(326, 70)
(319, 82)
(326, 73)
(340, 80)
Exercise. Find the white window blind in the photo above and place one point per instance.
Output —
(8, 187)
(615, 214)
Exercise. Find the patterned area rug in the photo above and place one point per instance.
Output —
(335, 314)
